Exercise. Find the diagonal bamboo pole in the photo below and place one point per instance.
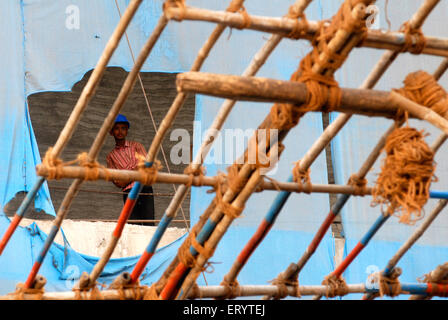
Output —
(150, 158)
(380, 68)
(343, 41)
(81, 104)
(394, 41)
(98, 142)
(258, 60)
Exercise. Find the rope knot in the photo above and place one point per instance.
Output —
(358, 183)
(148, 170)
(302, 177)
(195, 172)
(406, 175)
(174, 4)
(232, 290)
(53, 164)
(336, 286)
(411, 34)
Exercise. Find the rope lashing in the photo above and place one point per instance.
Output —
(406, 175)
(151, 293)
(175, 4)
(247, 21)
(88, 293)
(389, 286)
(134, 291)
(283, 285)
(301, 26)
(336, 286)
(422, 88)
(148, 171)
(409, 35)
(184, 252)
(198, 172)
(53, 164)
(233, 289)
(302, 177)
(360, 184)
(21, 290)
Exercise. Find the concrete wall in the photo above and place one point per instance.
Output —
(49, 112)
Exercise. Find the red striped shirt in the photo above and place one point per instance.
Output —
(124, 157)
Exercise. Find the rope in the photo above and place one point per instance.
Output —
(388, 286)
(283, 284)
(151, 293)
(134, 291)
(89, 293)
(406, 175)
(199, 172)
(409, 35)
(360, 184)
(301, 26)
(302, 178)
(175, 4)
(247, 21)
(149, 174)
(21, 290)
(336, 286)
(232, 290)
(54, 166)
(422, 88)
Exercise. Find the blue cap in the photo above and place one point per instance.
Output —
(122, 119)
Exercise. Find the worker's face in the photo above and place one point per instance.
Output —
(119, 131)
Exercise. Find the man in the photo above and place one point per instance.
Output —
(123, 157)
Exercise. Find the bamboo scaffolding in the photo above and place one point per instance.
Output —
(411, 241)
(330, 132)
(256, 63)
(284, 26)
(81, 104)
(98, 142)
(343, 41)
(371, 232)
(150, 158)
(366, 102)
(217, 292)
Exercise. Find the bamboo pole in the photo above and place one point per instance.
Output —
(394, 41)
(219, 292)
(341, 41)
(225, 109)
(83, 100)
(354, 101)
(99, 140)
